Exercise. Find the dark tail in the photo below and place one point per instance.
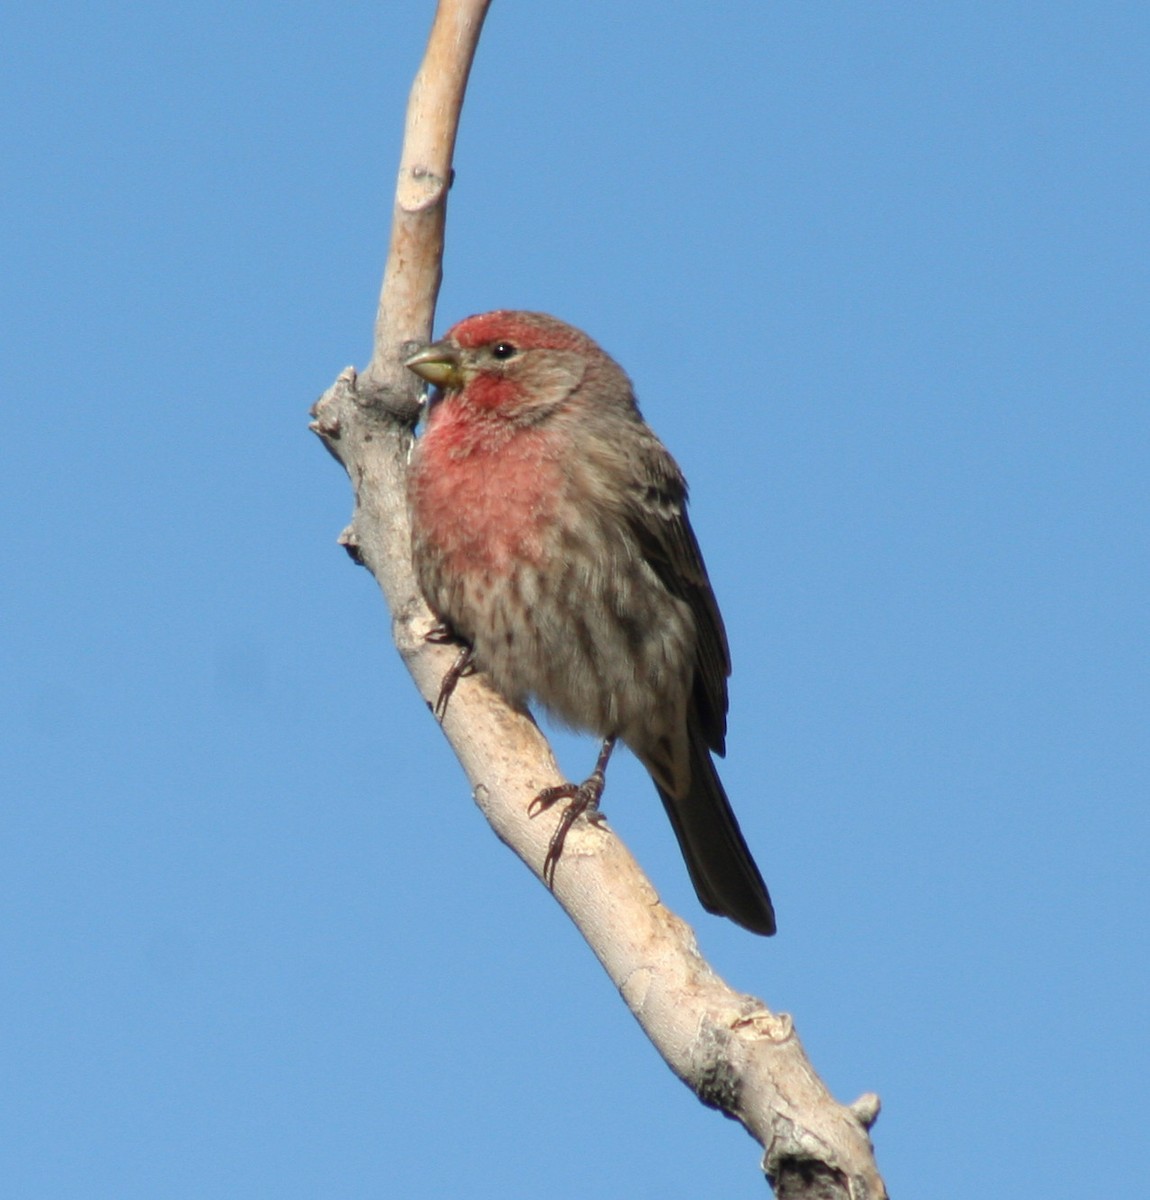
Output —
(721, 867)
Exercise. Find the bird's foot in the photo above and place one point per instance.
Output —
(442, 634)
(582, 801)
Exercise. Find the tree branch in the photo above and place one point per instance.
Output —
(727, 1047)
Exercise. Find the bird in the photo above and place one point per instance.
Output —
(550, 537)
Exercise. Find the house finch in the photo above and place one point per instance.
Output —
(550, 534)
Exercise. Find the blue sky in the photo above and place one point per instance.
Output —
(879, 273)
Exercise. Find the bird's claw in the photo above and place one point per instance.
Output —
(464, 665)
(583, 801)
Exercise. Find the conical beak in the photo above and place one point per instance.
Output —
(438, 364)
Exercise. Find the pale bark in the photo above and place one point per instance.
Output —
(735, 1054)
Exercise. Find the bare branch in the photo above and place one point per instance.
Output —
(734, 1053)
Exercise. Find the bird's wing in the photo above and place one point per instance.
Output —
(657, 513)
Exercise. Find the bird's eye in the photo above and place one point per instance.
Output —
(503, 350)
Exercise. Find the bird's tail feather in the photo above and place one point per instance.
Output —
(720, 864)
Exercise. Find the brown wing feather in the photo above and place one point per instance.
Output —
(658, 516)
